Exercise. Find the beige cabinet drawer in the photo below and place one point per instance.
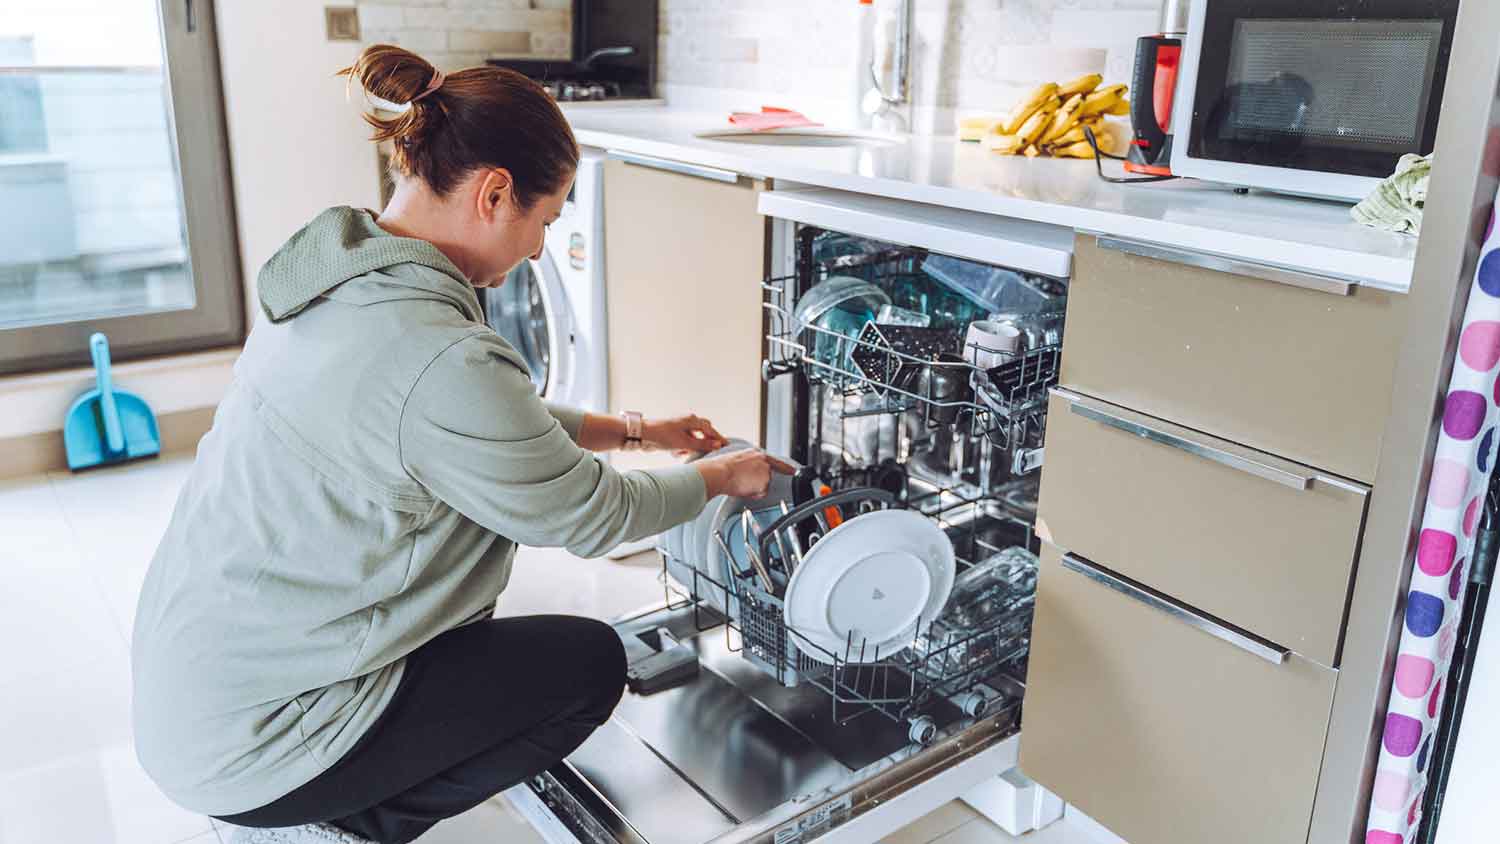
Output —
(1161, 732)
(1263, 543)
(1302, 373)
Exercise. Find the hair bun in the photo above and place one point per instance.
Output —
(397, 76)
(446, 127)
(392, 73)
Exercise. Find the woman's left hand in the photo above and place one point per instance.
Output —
(684, 434)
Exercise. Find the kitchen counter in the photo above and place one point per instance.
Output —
(1299, 234)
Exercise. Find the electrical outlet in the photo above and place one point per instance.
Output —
(342, 23)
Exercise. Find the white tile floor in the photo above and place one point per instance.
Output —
(73, 554)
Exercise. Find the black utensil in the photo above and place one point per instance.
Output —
(891, 477)
(884, 354)
(945, 383)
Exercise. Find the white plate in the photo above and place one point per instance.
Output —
(665, 542)
(690, 554)
(698, 550)
(691, 537)
(674, 543)
(862, 589)
(724, 507)
(677, 567)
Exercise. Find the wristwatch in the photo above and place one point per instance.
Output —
(635, 426)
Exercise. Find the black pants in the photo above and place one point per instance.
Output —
(479, 709)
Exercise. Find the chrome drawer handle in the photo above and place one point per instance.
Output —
(682, 167)
(1219, 263)
(1268, 651)
(1286, 477)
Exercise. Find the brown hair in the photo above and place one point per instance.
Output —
(478, 117)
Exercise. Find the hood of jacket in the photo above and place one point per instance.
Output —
(344, 243)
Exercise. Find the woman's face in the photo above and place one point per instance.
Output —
(513, 234)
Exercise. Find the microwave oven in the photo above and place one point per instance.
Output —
(1312, 97)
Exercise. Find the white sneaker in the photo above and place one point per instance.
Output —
(312, 833)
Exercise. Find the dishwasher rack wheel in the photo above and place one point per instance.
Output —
(973, 704)
(923, 730)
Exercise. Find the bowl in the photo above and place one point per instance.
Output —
(839, 307)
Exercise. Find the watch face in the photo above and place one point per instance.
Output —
(634, 429)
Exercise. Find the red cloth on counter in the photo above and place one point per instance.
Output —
(770, 117)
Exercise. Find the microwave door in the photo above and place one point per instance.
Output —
(1310, 96)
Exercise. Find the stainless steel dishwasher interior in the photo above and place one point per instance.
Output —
(756, 750)
(708, 760)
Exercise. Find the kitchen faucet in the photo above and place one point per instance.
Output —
(877, 101)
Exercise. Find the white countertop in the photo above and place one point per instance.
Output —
(1299, 234)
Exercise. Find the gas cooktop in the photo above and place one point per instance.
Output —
(584, 90)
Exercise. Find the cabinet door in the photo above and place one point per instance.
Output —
(684, 259)
(1158, 729)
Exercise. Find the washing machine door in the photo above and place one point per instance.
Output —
(530, 310)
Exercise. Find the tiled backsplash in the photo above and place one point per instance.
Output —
(461, 33)
(968, 54)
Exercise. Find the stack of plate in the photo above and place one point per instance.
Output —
(694, 547)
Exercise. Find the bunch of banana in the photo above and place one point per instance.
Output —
(1051, 120)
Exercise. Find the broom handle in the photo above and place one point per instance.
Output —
(113, 436)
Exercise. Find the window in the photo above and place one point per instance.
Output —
(116, 213)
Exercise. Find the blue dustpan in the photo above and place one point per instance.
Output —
(106, 425)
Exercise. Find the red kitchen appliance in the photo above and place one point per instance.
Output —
(1153, 89)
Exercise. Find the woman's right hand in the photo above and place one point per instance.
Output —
(741, 474)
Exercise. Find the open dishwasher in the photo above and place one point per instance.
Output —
(890, 405)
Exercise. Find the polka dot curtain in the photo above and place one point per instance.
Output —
(1460, 475)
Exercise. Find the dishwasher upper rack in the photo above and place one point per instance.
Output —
(1009, 414)
(972, 671)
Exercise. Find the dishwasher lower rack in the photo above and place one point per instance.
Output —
(974, 670)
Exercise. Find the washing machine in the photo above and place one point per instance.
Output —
(552, 309)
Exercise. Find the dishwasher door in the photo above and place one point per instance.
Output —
(733, 756)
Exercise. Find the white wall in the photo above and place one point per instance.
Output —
(455, 34)
(296, 142)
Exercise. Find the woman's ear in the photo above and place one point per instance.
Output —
(495, 194)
